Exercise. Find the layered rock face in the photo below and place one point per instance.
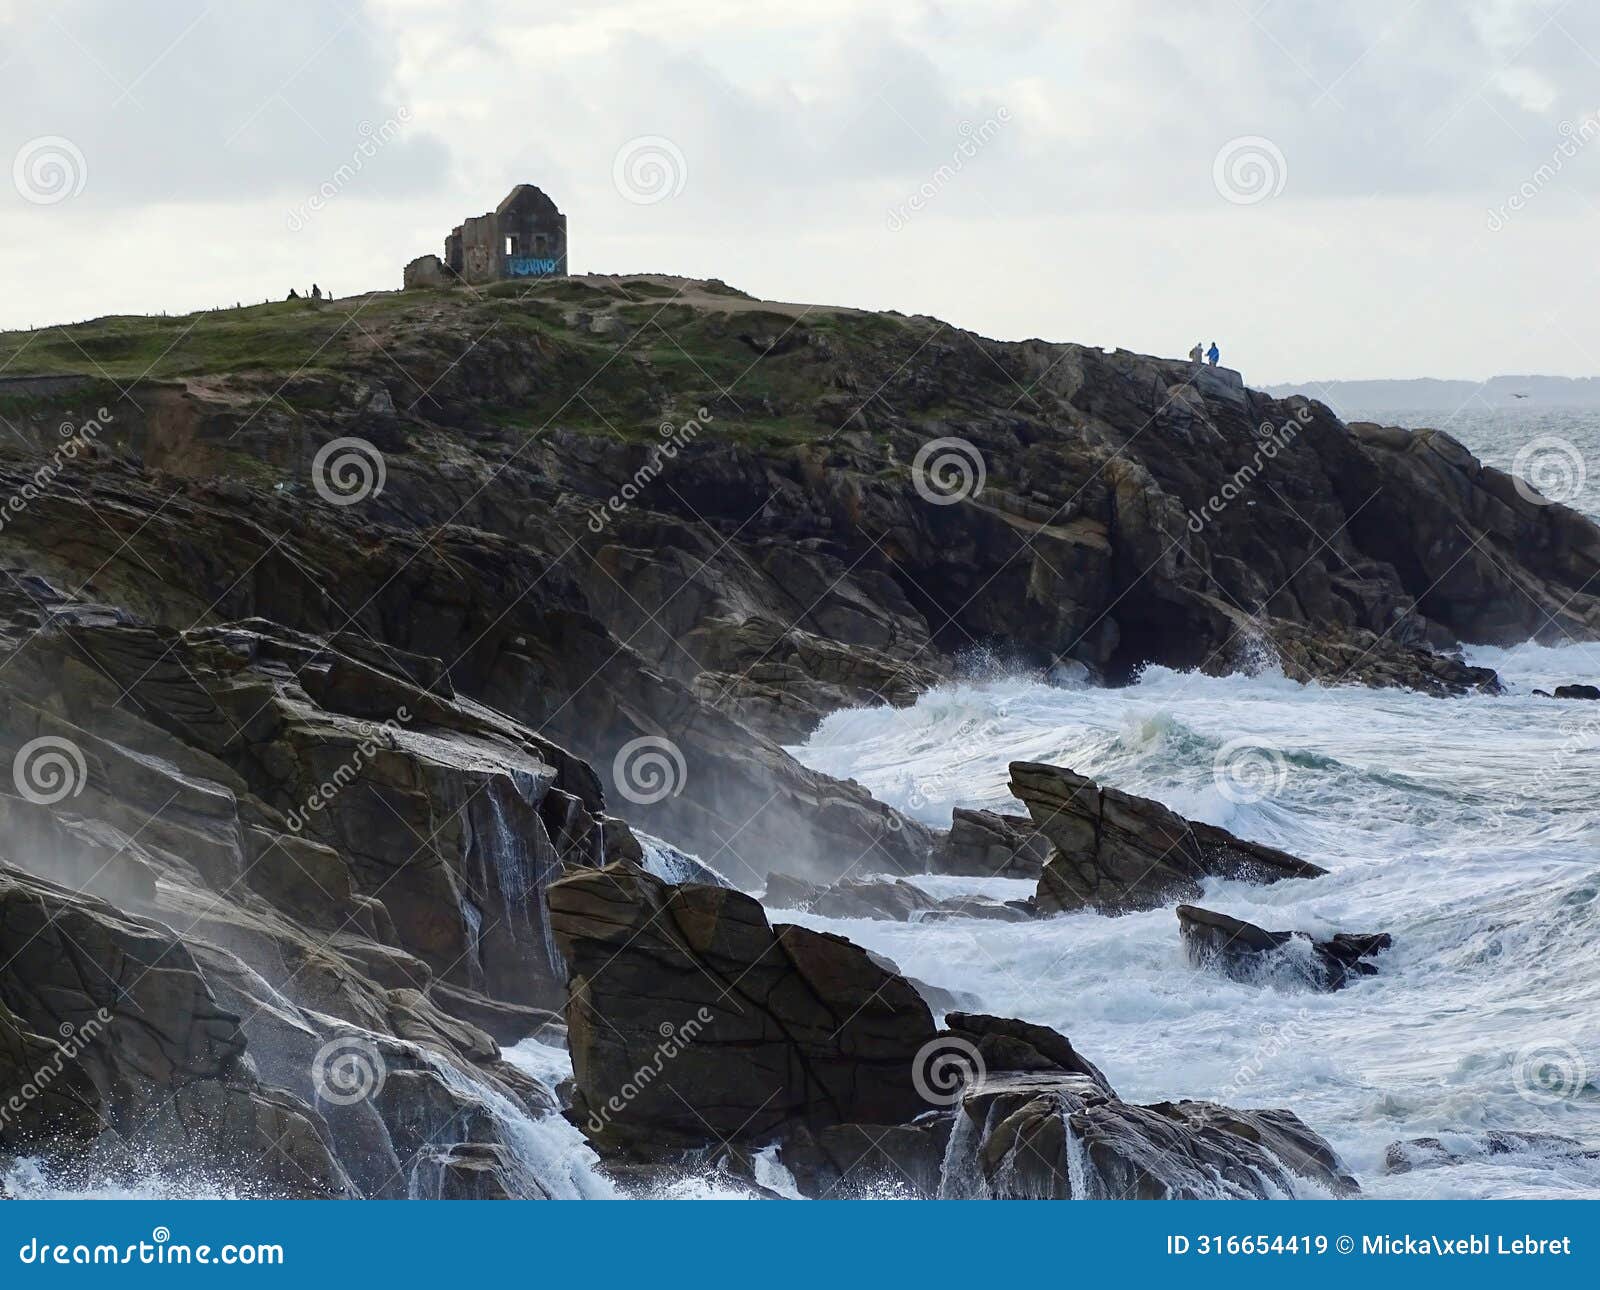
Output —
(767, 1025)
(1115, 852)
(268, 906)
(720, 551)
(317, 786)
(696, 1025)
(987, 844)
(1249, 953)
(108, 1023)
(885, 898)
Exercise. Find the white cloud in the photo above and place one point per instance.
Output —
(1091, 215)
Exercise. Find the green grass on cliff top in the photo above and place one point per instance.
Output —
(629, 347)
(289, 335)
(282, 336)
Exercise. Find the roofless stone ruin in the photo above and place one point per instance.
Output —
(524, 237)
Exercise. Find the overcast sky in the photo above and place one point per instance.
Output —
(1359, 189)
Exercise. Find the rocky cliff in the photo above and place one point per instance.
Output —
(348, 649)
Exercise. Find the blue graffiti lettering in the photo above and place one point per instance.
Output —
(522, 266)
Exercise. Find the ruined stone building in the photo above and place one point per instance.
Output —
(523, 237)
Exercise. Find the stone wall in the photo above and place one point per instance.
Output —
(524, 237)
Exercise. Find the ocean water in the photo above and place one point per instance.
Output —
(1557, 447)
(1469, 828)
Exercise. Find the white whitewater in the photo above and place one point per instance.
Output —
(1469, 828)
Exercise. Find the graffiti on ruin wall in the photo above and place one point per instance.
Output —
(524, 266)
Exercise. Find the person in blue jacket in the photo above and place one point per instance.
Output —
(1213, 353)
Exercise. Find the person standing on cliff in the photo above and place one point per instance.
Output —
(1197, 354)
(1213, 353)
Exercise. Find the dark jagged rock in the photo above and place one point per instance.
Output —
(781, 561)
(838, 1061)
(150, 1066)
(1432, 1153)
(1577, 692)
(689, 1015)
(884, 898)
(1249, 953)
(539, 603)
(1039, 1122)
(869, 1161)
(986, 844)
(1116, 852)
(260, 930)
(1006, 1044)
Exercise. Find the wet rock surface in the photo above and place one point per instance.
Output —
(689, 1013)
(1116, 852)
(841, 1067)
(988, 844)
(895, 899)
(339, 793)
(1249, 953)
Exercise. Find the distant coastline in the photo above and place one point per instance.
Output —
(1429, 393)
